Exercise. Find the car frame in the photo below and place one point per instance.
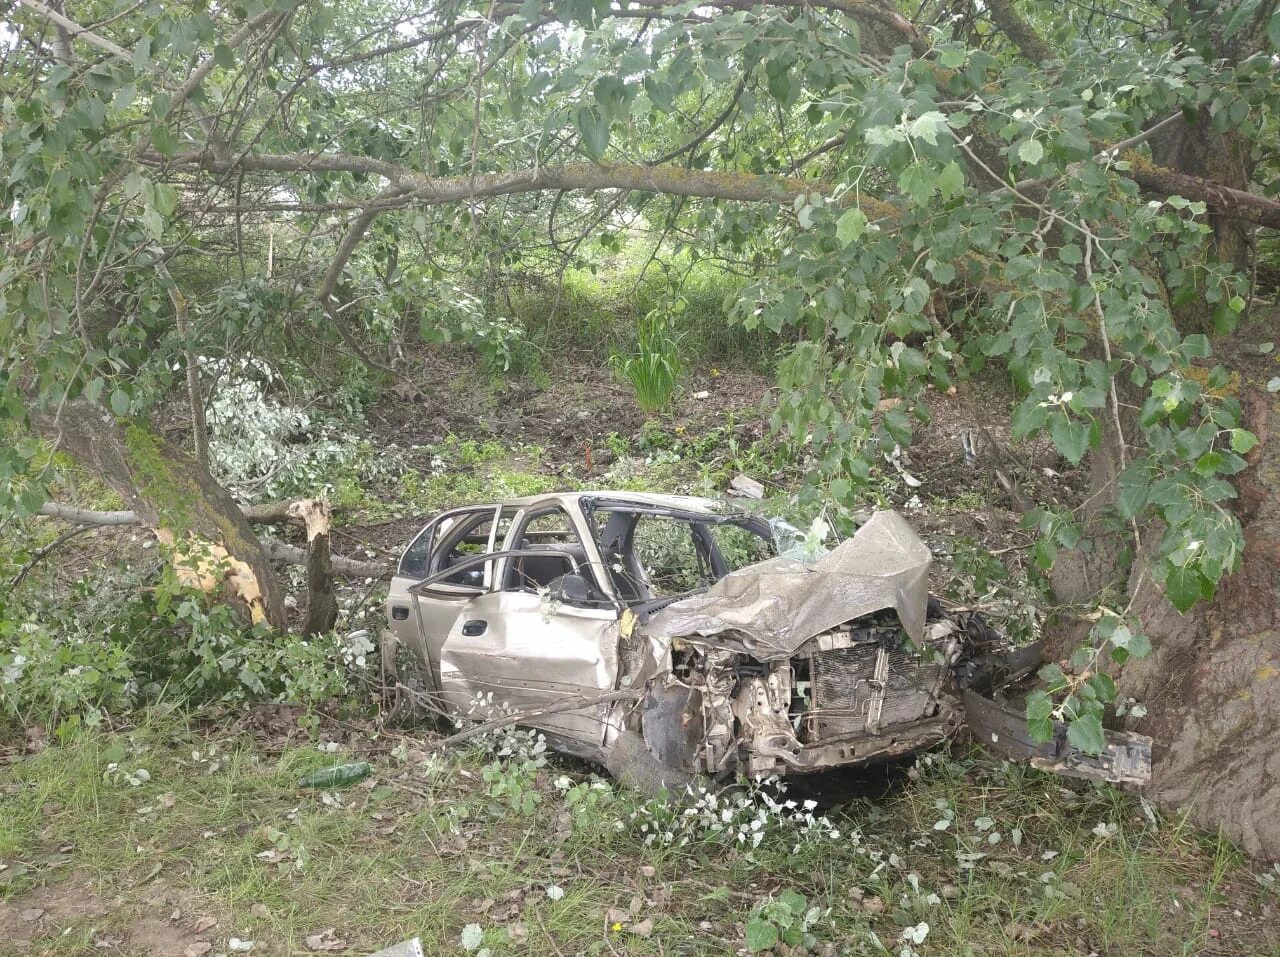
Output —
(669, 656)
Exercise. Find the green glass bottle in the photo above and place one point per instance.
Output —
(339, 776)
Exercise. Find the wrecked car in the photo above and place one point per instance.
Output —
(666, 638)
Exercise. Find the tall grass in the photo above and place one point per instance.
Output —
(654, 368)
(599, 307)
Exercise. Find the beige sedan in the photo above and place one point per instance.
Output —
(665, 638)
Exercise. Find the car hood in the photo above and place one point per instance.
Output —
(774, 607)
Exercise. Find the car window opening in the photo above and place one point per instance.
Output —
(651, 556)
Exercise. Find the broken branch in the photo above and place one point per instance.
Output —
(256, 514)
(40, 553)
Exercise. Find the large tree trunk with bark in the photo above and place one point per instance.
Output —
(1211, 685)
(213, 545)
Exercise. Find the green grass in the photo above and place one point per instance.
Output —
(597, 308)
(423, 849)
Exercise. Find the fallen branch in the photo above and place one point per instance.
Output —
(259, 515)
(85, 516)
(43, 551)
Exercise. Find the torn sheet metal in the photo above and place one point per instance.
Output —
(1126, 759)
(776, 606)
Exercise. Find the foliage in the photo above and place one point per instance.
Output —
(787, 921)
(107, 648)
(932, 200)
(654, 368)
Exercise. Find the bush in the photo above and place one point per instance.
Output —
(112, 646)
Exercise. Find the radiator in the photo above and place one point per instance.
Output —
(868, 687)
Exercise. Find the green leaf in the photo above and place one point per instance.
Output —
(1184, 587)
(793, 901)
(142, 54)
(914, 295)
(1242, 440)
(1273, 30)
(951, 182)
(224, 56)
(1052, 675)
(1031, 151)
(851, 226)
(918, 182)
(1104, 688)
(1086, 733)
(926, 127)
(660, 93)
(119, 402)
(1040, 717)
(594, 129)
(1070, 437)
(841, 489)
(164, 141)
(761, 935)
(613, 96)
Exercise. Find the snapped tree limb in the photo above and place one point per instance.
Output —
(255, 514)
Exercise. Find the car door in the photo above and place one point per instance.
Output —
(421, 621)
(514, 648)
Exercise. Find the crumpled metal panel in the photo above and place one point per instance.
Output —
(774, 607)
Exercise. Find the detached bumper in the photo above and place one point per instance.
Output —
(1003, 729)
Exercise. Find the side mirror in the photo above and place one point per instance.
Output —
(572, 590)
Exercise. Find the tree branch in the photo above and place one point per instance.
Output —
(74, 30)
(866, 10)
(418, 188)
(256, 514)
(1021, 33)
(1223, 200)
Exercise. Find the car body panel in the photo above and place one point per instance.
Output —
(528, 657)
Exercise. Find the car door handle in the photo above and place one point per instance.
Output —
(399, 612)
(475, 626)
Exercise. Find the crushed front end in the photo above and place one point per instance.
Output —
(858, 692)
(791, 667)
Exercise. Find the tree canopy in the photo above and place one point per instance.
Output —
(914, 192)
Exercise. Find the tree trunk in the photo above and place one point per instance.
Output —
(322, 606)
(1211, 686)
(214, 547)
(1221, 159)
(1212, 683)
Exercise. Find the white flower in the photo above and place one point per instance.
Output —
(916, 934)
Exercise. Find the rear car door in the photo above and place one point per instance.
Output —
(515, 648)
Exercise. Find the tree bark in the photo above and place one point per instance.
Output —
(174, 495)
(322, 606)
(1211, 685)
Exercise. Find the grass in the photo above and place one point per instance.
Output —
(597, 307)
(426, 847)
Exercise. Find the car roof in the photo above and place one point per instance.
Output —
(684, 503)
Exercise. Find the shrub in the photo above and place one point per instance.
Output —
(111, 646)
